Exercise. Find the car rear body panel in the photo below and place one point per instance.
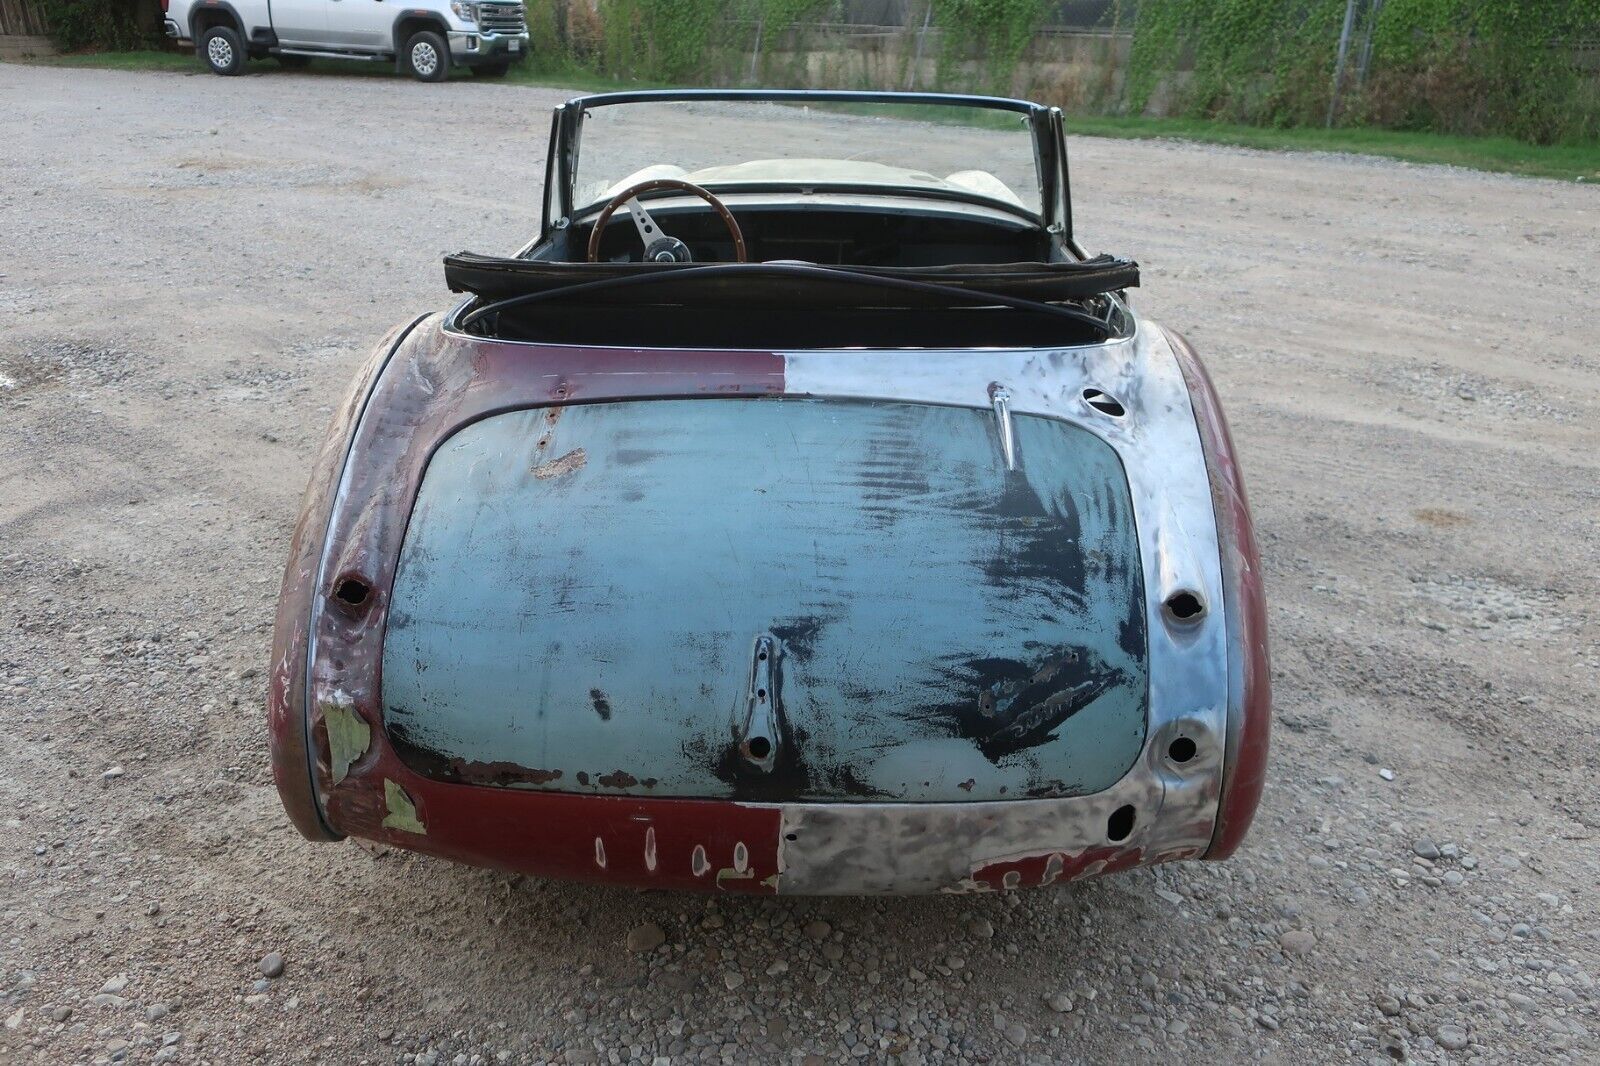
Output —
(438, 382)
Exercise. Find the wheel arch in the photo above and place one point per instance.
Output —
(413, 20)
(203, 16)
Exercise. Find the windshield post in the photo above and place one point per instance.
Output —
(552, 185)
(1063, 200)
(1044, 154)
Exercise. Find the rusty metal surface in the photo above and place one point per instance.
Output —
(432, 385)
(286, 689)
(438, 381)
(944, 628)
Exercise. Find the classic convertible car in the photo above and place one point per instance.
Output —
(803, 511)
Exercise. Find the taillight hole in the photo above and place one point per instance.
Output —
(1182, 750)
(759, 747)
(1184, 606)
(1104, 402)
(353, 590)
(1120, 824)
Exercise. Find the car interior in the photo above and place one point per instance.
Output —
(900, 276)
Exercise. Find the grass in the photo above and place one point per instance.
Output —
(182, 62)
(1497, 154)
(185, 62)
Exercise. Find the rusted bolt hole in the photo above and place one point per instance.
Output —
(1104, 402)
(759, 747)
(1181, 750)
(352, 590)
(1184, 606)
(761, 693)
(762, 656)
(791, 836)
(1120, 824)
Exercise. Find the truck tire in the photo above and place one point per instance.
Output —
(221, 49)
(427, 56)
(491, 70)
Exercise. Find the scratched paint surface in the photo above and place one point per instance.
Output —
(578, 600)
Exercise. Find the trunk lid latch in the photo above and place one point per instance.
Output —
(759, 745)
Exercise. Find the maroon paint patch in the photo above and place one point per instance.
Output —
(1250, 705)
(686, 845)
(1037, 871)
(433, 385)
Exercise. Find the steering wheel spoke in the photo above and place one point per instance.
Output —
(648, 230)
(658, 247)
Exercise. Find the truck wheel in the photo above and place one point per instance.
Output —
(491, 70)
(222, 50)
(427, 56)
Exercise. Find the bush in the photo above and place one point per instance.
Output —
(103, 25)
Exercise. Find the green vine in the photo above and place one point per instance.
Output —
(775, 22)
(658, 40)
(1473, 66)
(1452, 66)
(1458, 66)
(994, 32)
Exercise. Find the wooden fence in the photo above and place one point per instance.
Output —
(23, 30)
(22, 18)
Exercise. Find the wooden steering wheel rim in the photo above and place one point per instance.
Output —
(664, 183)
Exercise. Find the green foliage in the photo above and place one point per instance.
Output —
(111, 25)
(1471, 67)
(1252, 59)
(994, 32)
(1454, 66)
(1475, 66)
(664, 40)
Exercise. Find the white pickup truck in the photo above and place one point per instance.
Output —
(424, 38)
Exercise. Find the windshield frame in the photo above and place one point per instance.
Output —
(1044, 124)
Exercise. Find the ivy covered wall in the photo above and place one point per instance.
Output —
(1530, 69)
(1527, 68)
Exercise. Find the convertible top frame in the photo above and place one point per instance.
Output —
(1045, 123)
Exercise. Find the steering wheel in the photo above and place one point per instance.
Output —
(658, 247)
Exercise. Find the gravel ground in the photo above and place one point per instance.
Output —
(193, 266)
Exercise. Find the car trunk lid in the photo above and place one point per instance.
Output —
(778, 599)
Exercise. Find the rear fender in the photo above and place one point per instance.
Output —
(1249, 669)
(286, 694)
